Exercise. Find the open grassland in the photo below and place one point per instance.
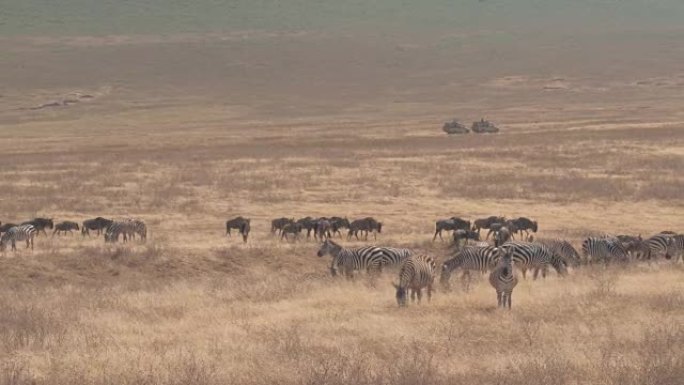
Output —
(191, 306)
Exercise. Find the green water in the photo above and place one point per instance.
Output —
(98, 17)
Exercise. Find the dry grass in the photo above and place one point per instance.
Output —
(194, 307)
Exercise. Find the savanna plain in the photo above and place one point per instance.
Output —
(187, 131)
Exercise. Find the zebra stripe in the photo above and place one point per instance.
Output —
(18, 233)
(504, 279)
(128, 228)
(390, 256)
(678, 247)
(469, 258)
(534, 256)
(563, 249)
(595, 249)
(660, 244)
(416, 273)
(350, 260)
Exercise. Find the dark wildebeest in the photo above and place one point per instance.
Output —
(98, 224)
(485, 223)
(465, 235)
(65, 226)
(40, 224)
(524, 224)
(291, 228)
(309, 224)
(365, 225)
(495, 227)
(451, 224)
(241, 224)
(322, 231)
(338, 223)
(279, 224)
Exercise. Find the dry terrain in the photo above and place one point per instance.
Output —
(158, 129)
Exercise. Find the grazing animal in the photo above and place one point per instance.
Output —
(365, 225)
(40, 224)
(660, 244)
(280, 223)
(291, 228)
(6, 227)
(502, 235)
(464, 235)
(606, 249)
(338, 223)
(485, 223)
(18, 233)
(126, 227)
(350, 260)
(524, 224)
(309, 224)
(468, 259)
(322, 230)
(416, 273)
(534, 256)
(65, 226)
(241, 224)
(98, 224)
(504, 279)
(451, 224)
(563, 249)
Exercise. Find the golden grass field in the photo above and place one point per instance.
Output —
(192, 306)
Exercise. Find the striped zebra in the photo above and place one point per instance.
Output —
(40, 224)
(660, 244)
(18, 233)
(416, 273)
(678, 247)
(563, 249)
(128, 228)
(534, 256)
(350, 260)
(468, 259)
(597, 249)
(503, 278)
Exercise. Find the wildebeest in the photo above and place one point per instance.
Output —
(501, 236)
(322, 230)
(279, 223)
(241, 224)
(6, 226)
(309, 224)
(98, 224)
(523, 224)
(364, 225)
(40, 224)
(291, 228)
(485, 223)
(64, 227)
(464, 235)
(338, 223)
(451, 224)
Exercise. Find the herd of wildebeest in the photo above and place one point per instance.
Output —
(513, 247)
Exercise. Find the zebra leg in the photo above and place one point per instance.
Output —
(499, 301)
(419, 293)
(509, 296)
(524, 272)
(429, 292)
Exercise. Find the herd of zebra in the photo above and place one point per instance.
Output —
(126, 228)
(502, 259)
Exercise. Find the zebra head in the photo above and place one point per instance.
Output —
(444, 276)
(401, 295)
(328, 247)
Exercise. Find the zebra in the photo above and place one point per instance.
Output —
(64, 227)
(40, 224)
(502, 235)
(451, 224)
(279, 223)
(416, 273)
(595, 249)
(128, 228)
(368, 224)
(563, 249)
(469, 258)
(678, 247)
(660, 244)
(291, 228)
(350, 260)
(7, 226)
(241, 224)
(534, 256)
(504, 279)
(18, 233)
(485, 223)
